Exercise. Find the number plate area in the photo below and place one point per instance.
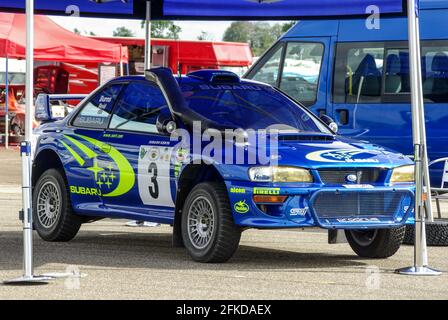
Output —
(154, 181)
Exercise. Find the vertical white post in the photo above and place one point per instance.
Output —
(420, 250)
(148, 53)
(26, 156)
(25, 151)
(6, 103)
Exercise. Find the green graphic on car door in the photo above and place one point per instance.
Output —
(108, 184)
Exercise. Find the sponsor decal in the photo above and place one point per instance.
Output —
(229, 87)
(237, 190)
(267, 191)
(153, 153)
(85, 191)
(343, 155)
(113, 135)
(113, 178)
(358, 186)
(298, 211)
(358, 220)
(241, 206)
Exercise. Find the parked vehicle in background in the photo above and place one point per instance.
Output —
(186, 55)
(360, 76)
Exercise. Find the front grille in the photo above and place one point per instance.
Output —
(331, 204)
(339, 176)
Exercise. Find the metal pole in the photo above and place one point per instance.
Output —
(6, 104)
(148, 53)
(427, 178)
(420, 250)
(25, 151)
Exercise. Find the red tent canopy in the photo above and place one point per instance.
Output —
(54, 43)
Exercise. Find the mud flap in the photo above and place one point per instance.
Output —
(336, 236)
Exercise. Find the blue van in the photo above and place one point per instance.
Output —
(360, 76)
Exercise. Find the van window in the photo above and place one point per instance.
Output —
(435, 71)
(397, 72)
(269, 70)
(379, 72)
(358, 72)
(301, 69)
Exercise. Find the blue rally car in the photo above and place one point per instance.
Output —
(119, 155)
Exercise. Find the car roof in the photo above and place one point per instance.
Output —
(191, 78)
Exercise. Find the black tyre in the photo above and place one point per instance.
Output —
(436, 233)
(53, 217)
(208, 230)
(377, 243)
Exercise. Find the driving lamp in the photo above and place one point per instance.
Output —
(280, 174)
(403, 174)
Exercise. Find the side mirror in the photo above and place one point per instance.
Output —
(330, 123)
(166, 124)
(42, 108)
(45, 111)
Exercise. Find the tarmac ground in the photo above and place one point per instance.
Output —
(118, 262)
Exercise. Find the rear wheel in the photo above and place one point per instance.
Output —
(375, 243)
(53, 217)
(208, 230)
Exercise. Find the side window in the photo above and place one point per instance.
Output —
(138, 108)
(435, 71)
(397, 72)
(358, 72)
(301, 70)
(268, 72)
(96, 112)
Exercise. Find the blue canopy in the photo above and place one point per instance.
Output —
(277, 9)
(209, 9)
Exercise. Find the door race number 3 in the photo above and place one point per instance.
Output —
(154, 182)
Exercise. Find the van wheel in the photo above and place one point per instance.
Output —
(208, 230)
(376, 243)
(53, 217)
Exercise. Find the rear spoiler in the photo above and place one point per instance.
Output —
(44, 111)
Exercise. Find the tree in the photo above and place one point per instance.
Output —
(164, 29)
(239, 31)
(259, 35)
(122, 32)
(288, 25)
(205, 36)
(76, 30)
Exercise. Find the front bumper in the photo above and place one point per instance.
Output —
(329, 207)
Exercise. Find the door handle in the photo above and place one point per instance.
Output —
(343, 116)
(104, 147)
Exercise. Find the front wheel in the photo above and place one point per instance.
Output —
(375, 243)
(53, 217)
(208, 230)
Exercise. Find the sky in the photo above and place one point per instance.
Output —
(190, 29)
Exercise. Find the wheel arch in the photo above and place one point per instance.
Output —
(191, 175)
(44, 160)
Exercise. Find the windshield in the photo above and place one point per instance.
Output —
(249, 107)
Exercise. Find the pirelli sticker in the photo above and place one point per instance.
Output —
(267, 191)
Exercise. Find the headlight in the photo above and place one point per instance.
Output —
(403, 174)
(280, 174)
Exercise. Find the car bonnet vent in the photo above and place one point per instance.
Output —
(215, 76)
(305, 137)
